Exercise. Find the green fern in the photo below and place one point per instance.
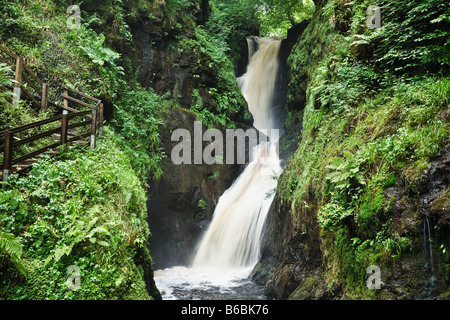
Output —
(345, 171)
(79, 231)
(10, 246)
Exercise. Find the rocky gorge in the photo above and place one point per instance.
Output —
(360, 192)
(299, 259)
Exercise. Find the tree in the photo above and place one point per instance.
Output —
(277, 16)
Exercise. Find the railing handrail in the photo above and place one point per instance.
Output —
(24, 68)
(81, 94)
(34, 124)
(9, 160)
(8, 52)
(47, 121)
(94, 116)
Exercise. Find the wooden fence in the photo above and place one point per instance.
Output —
(26, 81)
(62, 126)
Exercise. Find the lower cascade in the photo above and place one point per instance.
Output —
(230, 248)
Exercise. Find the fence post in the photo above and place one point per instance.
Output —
(18, 81)
(8, 153)
(93, 127)
(64, 126)
(66, 102)
(44, 98)
(100, 120)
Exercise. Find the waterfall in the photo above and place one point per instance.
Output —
(429, 269)
(230, 247)
(233, 239)
(258, 83)
(234, 236)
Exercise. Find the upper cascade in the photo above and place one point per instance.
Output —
(258, 83)
(234, 236)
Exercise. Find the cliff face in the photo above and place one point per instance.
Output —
(346, 200)
(156, 31)
(182, 203)
(298, 259)
(174, 53)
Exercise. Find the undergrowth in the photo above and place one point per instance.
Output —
(85, 209)
(366, 126)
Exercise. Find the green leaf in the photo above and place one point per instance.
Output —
(13, 248)
(355, 170)
(103, 243)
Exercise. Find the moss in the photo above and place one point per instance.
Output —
(415, 177)
(305, 290)
(371, 217)
(446, 295)
(443, 204)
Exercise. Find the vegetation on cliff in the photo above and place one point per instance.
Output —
(86, 209)
(373, 103)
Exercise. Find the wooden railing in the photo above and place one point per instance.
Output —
(64, 123)
(69, 98)
(62, 126)
(24, 75)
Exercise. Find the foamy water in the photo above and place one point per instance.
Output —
(182, 283)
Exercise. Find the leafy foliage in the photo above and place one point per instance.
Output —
(10, 246)
(415, 36)
(137, 119)
(345, 172)
(374, 113)
(211, 52)
(242, 18)
(277, 16)
(105, 75)
(233, 21)
(88, 210)
(331, 215)
(94, 50)
(5, 79)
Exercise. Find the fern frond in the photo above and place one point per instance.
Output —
(10, 246)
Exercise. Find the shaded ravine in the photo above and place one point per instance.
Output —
(230, 248)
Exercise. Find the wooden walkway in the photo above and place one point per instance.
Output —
(81, 120)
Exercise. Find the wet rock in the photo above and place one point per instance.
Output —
(311, 288)
(290, 251)
(438, 197)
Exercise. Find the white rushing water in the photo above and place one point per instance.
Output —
(230, 247)
(258, 83)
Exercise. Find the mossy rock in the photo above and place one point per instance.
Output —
(371, 214)
(415, 177)
(311, 288)
(442, 208)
